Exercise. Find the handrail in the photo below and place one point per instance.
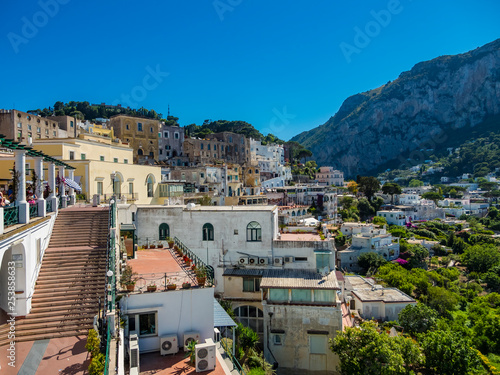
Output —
(110, 289)
(233, 359)
(196, 261)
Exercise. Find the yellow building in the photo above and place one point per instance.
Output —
(97, 129)
(99, 161)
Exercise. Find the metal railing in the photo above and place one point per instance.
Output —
(105, 198)
(33, 210)
(233, 359)
(10, 216)
(48, 205)
(110, 289)
(161, 280)
(196, 261)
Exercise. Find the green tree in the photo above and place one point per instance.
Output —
(379, 220)
(417, 318)
(391, 188)
(480, 258)
(346, 202)
(416, 183)
(449, 353)
(365, 351)
(366, 210)
(442, 300)
(370, 260)
(368, 185)
(432, 196)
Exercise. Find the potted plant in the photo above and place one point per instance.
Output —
(129, 278)
(160, 246)
(201, 275)
(170, 242)
(152, 287)
(171, 286)
(186, 285)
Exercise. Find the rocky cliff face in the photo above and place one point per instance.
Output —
(416, 111)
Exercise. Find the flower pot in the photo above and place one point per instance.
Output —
(130, 287)
(151, 288)
(171, 244)
(186, 285)
(201, 280)
(171, 287)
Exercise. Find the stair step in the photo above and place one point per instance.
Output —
(42, 295)
(78, 307)
(64, 303)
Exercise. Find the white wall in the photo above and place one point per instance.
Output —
(178, 312)
(23, 243)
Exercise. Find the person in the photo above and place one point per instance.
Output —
(10, 193)
(2, 200)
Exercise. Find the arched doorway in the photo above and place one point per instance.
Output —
(164, 231)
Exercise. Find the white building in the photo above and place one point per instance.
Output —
(411, 199)
(395, 217)
(330, 176)
(373, 301)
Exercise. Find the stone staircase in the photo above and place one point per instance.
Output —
(71, 280)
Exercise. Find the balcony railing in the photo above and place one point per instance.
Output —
(196, 261)
(128, 196)
(10, 216)
(48, 205)
(33, 210)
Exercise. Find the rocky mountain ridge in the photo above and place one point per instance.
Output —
(419, 110)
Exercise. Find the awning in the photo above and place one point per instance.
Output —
(72, 184)
(221, 318)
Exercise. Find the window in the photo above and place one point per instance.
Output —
(71, 123)
(222, 147)
(151, 129)
(317, 344)
(83, 156)
(165, 134)
(125, 161)
(277, 339)
(127, 127)
(38, 130)
(301, 295)
(215, 148)
(150, 184)
(139, 126)
(99, 187)
(176, 135)
(131, 188)
(251, 284)
(164, 231)
(54, 133)
(250, 316)
(159, 135)
(254, 231)
(208, 232)
(101, 158)
(322, 260)
(201, 146)
(71, 155)
(208, 147)
(19, 125)
(115, 160)
(147, 324)
(278, 295)
(29, 127)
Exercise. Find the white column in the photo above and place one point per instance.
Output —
(24, 209)
(52, 185)
(38, 188)
(72, 195)
(62, 189)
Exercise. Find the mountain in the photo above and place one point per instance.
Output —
(423, 111)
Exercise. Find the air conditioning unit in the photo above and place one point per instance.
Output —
(263, 261)
(133, 353)
(205, 356)
(243, 260)
(253, 261)
(188, 337)
(289, 259)
(278, 261)
(169, 345)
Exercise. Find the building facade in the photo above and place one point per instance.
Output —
(170, 142)
(25, 128)
(330, 176)
(141, 134)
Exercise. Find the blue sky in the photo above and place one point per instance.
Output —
(283, 66)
